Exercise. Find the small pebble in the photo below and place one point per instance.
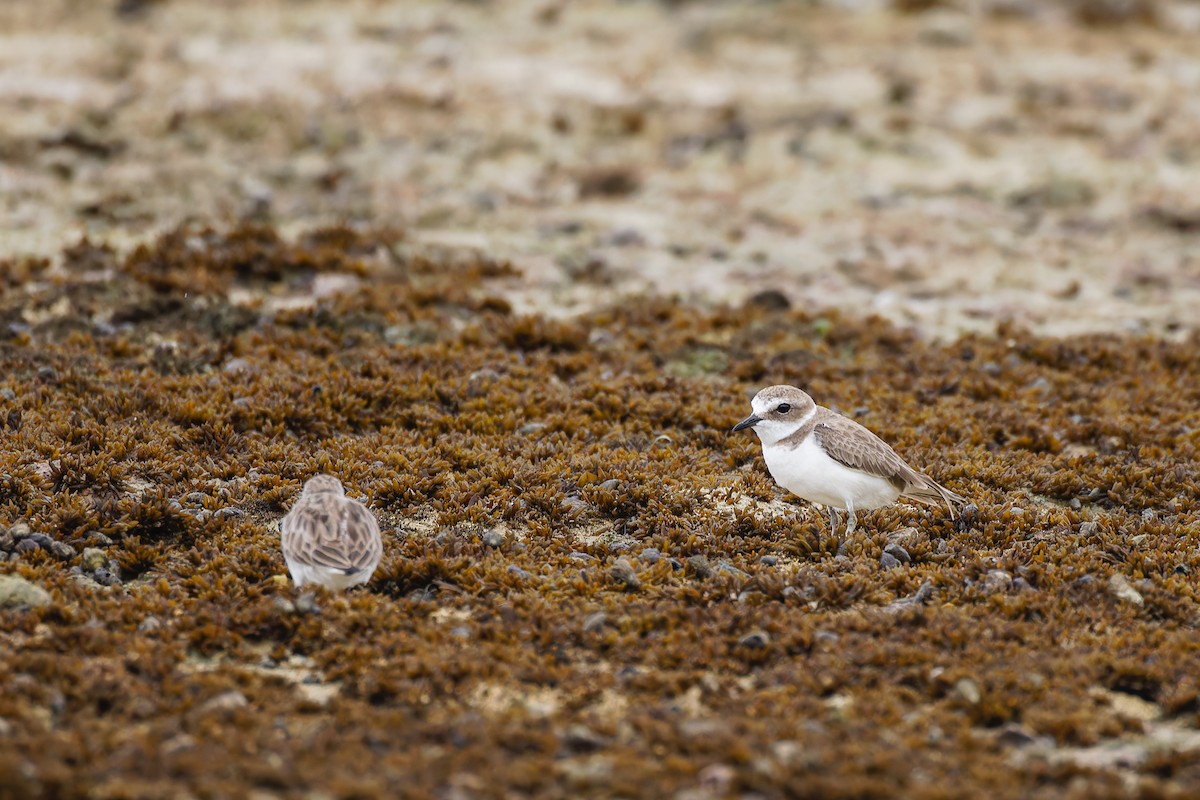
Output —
(17, 592)
(769, 561)
(62, 550)
(595, 622)
(755, 640)
(581, 556)
(650, 555)
(97, 539)
(94, 558)
(493, 537)
(700, 567)
(610, 485)
(996, 581)
(622, 572)
(285, 606)
(899, 553)
(27, 546)
(103, 577)
(41, 540)
(730, 569)
(1122, 590)
(888, 561)
(513, 569)
(229, 512)
(968, 690)
(6, 542)
(1088, 529)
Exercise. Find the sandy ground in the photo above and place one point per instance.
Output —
(948, 169)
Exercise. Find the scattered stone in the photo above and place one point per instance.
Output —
(105, 577)
(769, 300)
(699, 566)
(888, 561)
(1022, 585)
(730, 569)
(62, 550)
(41, 540)
(579, 555)
(622, 572)
(1120, 588)
(97, 539)
(1016, 735)
(229, 512)
(595, 622)
(1088, 529)
(531, 427)
(284, 606)
(756, 640)
(967, 690)
(16, 592)
(150, 624)
(650, 555)
(996, 581)
(6, 542)
(224, 703)
(920, 598)
(94, 559)
(575, 505)
(582, 739)
(493, 538)
(27, 546)
(899, 553)
(769, 561)
(610, 485)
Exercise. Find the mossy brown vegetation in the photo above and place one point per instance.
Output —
(589, 587)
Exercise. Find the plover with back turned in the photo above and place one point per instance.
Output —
(328, 538)
(823, 457)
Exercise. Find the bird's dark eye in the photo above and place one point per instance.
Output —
(784, 408)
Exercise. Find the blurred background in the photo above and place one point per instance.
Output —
(948, 165)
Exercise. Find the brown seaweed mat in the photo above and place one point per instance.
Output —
(590, 588)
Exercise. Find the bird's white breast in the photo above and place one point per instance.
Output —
(807, 472)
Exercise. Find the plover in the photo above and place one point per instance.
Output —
(328, 538)
(825, 458)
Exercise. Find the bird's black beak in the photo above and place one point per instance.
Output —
(748, 422)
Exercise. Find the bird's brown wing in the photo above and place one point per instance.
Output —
(342, 535)
(849, 443)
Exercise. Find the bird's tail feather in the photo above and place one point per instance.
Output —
(927, 490)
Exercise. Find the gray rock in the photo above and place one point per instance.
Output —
(1088, 529)
(899, 553)
(16, 592)
(650, 555)
(94, 558)
(98, 539)
(769, 561)
(224, 703)
(755, 640)
(19, 531)
(492, 537)
(700, 567)
(610, 485)
(622, 572)
(996, 581)
(888, 561)
(27, 546)
(62, 550)
(966, 689)
(41, 540)
(105, 577)
(579, 555)
(1122, 590)
(6, 542)
(595, 622)
(229, 512)
(730, 569)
